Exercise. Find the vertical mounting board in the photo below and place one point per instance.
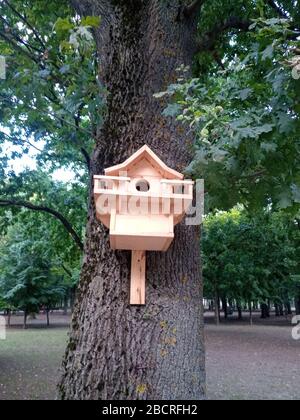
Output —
(138, 278)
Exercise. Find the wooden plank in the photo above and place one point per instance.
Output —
(139, 194)
(111, 178)
(176, 182)
(138, 278)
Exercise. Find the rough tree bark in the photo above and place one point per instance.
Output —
(117, 351)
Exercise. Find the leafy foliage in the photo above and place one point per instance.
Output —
(246, 120)
(251, 258)
(51, 96)
(52, 104)
(29, 276)
(244, 109)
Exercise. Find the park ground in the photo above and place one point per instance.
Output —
(243, 362)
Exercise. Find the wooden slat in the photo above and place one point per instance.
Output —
(142, 194)
(112, 178)
(138, 278)
(176, 182)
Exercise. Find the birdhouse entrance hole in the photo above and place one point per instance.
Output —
(142, 185)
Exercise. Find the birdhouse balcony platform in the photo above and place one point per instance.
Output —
(141, 219)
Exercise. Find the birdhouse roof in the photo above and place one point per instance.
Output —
(145, 153)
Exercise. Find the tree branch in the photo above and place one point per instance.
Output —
(86, 158)
(58, 118)
(66, 270)
(21, 142)
(7, 28)
(26, 23)
(278, 9)
(209, 40)
(19, 48)
(77, 119)
(67, 225)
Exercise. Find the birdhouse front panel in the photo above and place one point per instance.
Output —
(145, 232)
(140, 201)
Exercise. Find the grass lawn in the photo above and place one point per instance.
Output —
(29, 363)
(243, 362)
(261, 362)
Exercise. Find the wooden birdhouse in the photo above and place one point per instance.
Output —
(140, 201)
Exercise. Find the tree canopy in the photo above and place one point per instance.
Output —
(250, 259)
(244, 107)
(31, 273)
(50, 110)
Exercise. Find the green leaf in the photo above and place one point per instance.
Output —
(296, 193)
(91, 21)
(245, 93)
(269, 147)
(84, 32)
(284, 200)
(44, 73)
(268, 52)
(64, 69)
(63, 25)
(172, 110)
(219, 155)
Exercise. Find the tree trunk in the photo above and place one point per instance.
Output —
(250, 313)
(224, 307)
(8, 318)
(47, 316)
(240, 311)
(25, 320)
(265, 312)
(288, 308)
(281, 312)
(117, 351)
(217, 308)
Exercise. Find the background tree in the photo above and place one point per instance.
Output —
(252, 258)
(39, 261)
(28, 280)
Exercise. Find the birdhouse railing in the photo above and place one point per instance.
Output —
(103, 183)
(115, 185)
(179, 189)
